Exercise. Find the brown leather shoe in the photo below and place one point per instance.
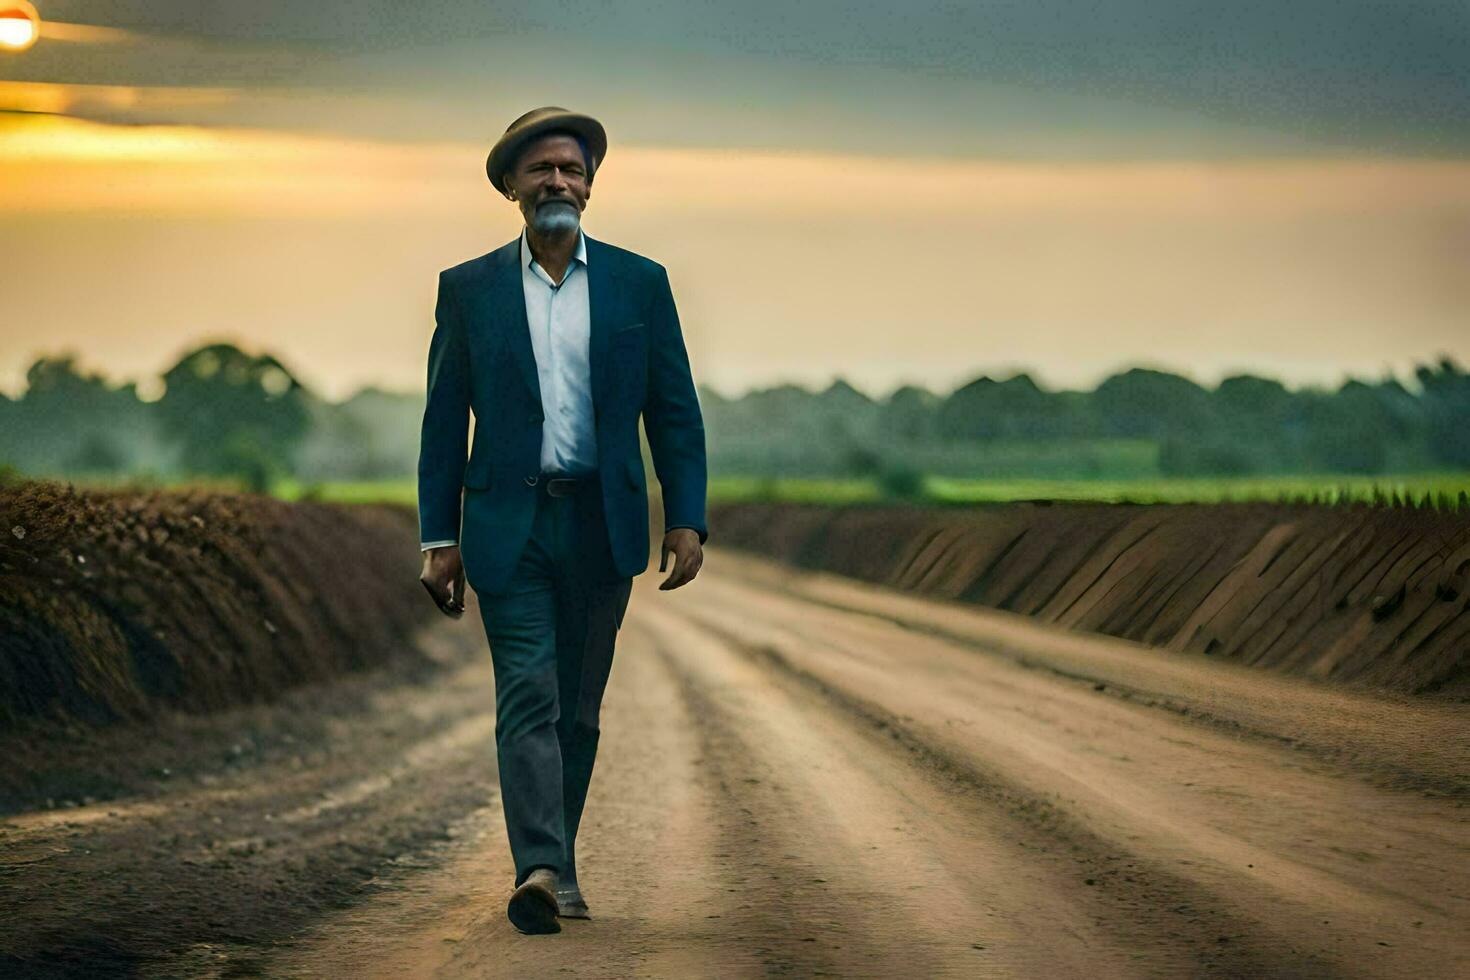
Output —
(533, 907)
(570, 903)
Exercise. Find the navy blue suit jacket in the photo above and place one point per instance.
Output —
(481, 361)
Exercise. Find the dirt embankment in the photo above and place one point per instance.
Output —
(1371, 596)
(116, 605)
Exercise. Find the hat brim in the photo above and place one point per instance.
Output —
(505, 151)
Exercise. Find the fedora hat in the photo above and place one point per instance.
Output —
(536, 123)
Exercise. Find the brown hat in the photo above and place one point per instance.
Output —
(536, 123)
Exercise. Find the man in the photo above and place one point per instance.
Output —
(557, 343)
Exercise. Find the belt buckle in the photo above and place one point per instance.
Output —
(561, 486)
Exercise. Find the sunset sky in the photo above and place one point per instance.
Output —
(916, 192)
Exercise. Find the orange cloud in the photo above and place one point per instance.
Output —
(52, 30)
(66, 98)
(64, 164)
(52, 163)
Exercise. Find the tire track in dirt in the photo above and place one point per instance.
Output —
(1378, 900)
(1415, 743)
(784, 870)
(838, 847)
(1069, 918)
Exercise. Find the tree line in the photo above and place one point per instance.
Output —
(1137, 422)
(221, 411)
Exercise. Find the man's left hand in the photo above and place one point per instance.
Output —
(688, 557)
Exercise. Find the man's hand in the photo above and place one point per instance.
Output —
(688, 557)
(443, 576)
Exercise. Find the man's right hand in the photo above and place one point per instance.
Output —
(443, 576)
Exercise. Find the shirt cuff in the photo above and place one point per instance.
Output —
(435, 544)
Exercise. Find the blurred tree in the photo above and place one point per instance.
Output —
(1446, 412)
(1016, 408)
(64, 410)
(1183, 456)
(98, 453)
(1348, 431)
(1145, 402)
(911, 415)
(1248, 404)
(1254, 414)
(861, 461)
(9, 427)
(341, 445)
(233, 414)
(775, 431)
(846, 416)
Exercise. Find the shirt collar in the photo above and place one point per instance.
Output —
(580, 255)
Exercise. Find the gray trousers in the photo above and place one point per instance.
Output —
(552, 631)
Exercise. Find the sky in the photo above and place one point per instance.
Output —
(897, 193)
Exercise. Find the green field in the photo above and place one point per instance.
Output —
(1332, 489)
(1327, 488)
(1323, 488)
(401, 491)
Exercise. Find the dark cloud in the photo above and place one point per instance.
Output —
(1072, 78)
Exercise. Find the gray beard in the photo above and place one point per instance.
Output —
(556, 219)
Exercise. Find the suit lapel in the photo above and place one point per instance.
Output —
(508, 312)
(508, 307)
(601, 272)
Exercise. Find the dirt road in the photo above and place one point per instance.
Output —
(800, 776)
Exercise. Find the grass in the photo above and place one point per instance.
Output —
(1326, 488)
(404, 490)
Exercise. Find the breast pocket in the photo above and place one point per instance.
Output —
(629, 351)
(628, 333)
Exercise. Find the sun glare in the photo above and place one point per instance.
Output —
(19, 25)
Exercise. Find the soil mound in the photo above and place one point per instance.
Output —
(115, 604)
(1366, 595)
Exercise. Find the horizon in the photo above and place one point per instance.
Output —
(148, 391)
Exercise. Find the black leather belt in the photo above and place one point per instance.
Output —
(561, 486)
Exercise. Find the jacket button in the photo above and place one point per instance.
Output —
(530, 481)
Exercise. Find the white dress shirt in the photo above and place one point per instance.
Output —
(560, 319)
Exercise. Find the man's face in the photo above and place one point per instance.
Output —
(550, 184)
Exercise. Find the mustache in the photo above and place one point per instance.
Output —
(557, 200)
